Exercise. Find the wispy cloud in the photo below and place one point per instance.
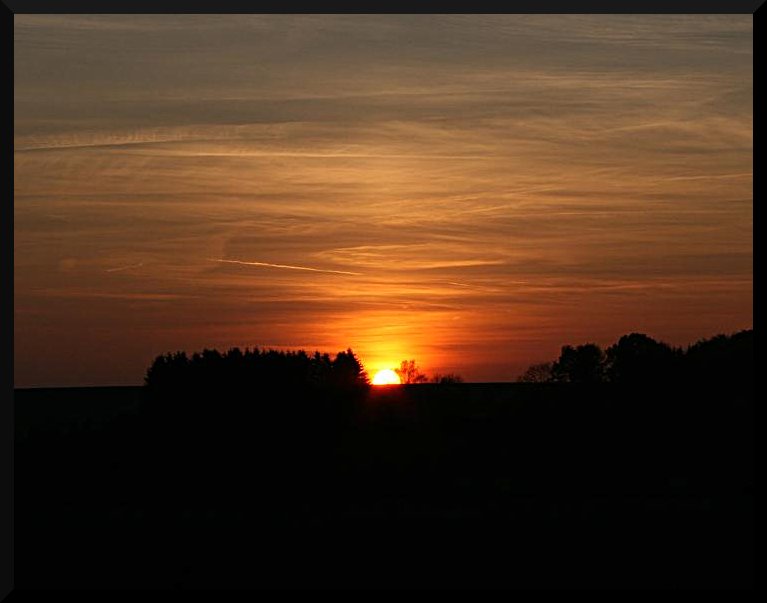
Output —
(469, 190)
(285, 266)
(121, 268)
(75, 293)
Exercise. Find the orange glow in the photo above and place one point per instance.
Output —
(386, 377)
(410, 213)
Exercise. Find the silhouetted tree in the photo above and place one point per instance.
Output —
(167, 368)
(217, 388)
(582, 364)
(722, 359)
(408, 372)
(537, 373)
(348, 370)
(221, 413)
(320, 367)
(637, 358)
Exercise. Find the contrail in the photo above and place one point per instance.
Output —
(121, 268)
(285, 266)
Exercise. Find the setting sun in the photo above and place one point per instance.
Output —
(386, 377)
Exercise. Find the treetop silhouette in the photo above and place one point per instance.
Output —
(256, 368)
(638, 359)
(408, 373)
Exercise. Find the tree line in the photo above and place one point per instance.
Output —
(635, 358)
(226, 392)
(291, 369)
(638, 359)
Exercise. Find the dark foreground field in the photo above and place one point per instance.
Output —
(472, 485)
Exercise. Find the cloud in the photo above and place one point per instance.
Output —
(121, 268)
(487, 184)
(73, 293)
(285, 266)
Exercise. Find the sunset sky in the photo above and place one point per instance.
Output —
(471, 191)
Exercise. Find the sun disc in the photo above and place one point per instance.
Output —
(386, 377)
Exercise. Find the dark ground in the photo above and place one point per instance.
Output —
(470, 485)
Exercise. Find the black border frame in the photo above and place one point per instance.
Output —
(8, 8)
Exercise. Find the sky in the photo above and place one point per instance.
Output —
(470, 191)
